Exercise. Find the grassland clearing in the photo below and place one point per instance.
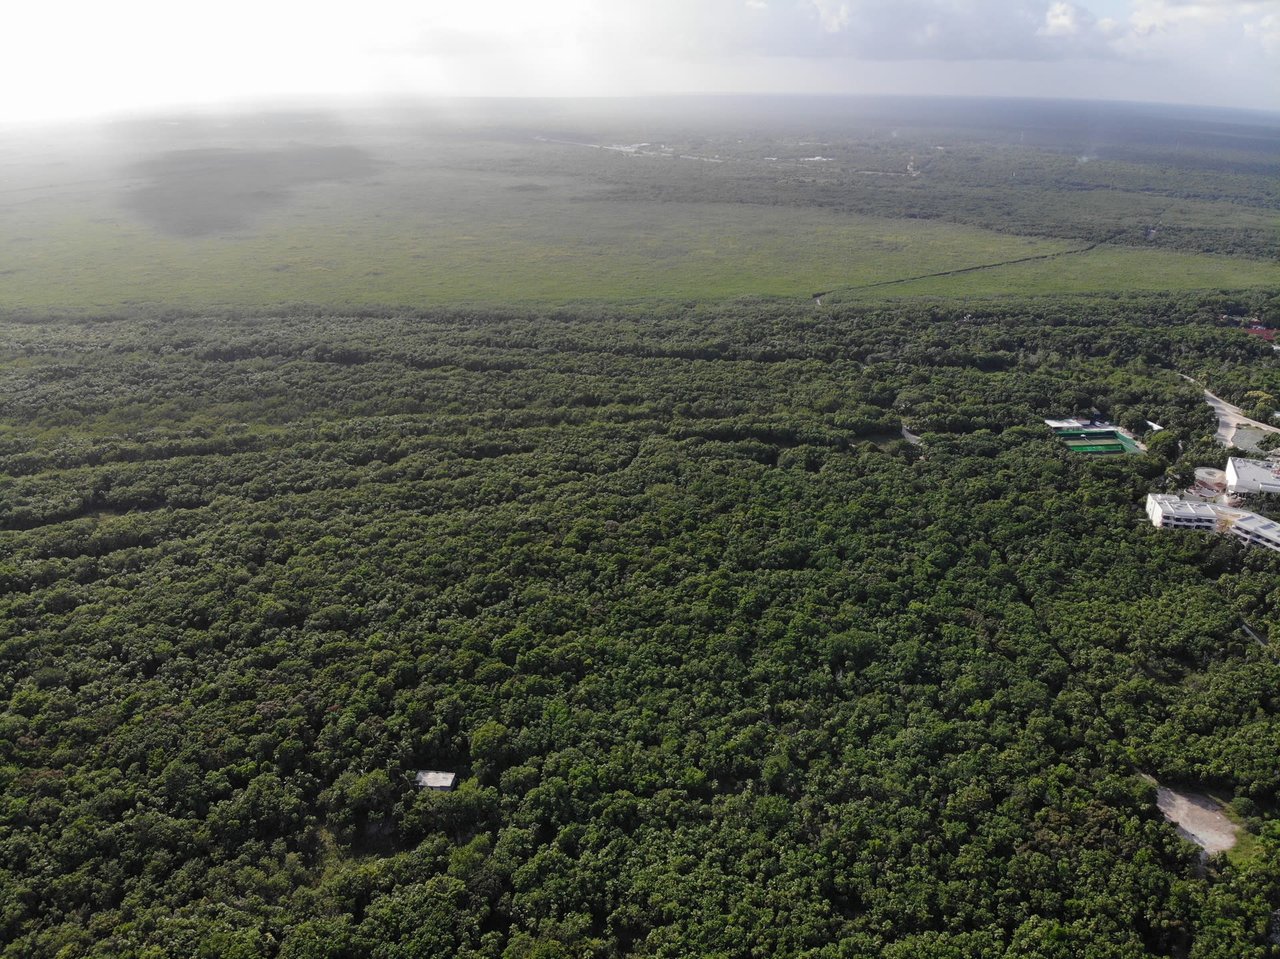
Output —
(463, 236)
(460, 236)
(271, 211)
(1105, 268)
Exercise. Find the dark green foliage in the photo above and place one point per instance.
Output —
(725, 665)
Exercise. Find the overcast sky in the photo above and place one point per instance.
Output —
(69, 58)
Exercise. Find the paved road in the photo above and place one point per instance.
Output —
(1230, 418)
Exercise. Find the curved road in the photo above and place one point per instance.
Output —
(1230, 418)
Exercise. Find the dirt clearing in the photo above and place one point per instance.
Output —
(1198, 818)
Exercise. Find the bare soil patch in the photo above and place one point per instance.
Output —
(1198, 818)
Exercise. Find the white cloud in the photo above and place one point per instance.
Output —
(87, 56)
(1061, 20)
(833, 15)
(1151, 15)
(1197, 34)
(1025, 30)
(1266, 30)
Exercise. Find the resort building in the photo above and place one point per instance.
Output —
(1252, 476)
(1171, 512)
(1258, 531)
(1168, 512)
(1210, 481)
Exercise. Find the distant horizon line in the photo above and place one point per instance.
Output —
(343, 102)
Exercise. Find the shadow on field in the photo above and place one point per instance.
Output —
(198, 192)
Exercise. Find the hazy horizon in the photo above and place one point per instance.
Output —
(144, 57)
(337, 118)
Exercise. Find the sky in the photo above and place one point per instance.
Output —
(62, 59)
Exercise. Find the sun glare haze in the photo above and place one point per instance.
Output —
(79, 59)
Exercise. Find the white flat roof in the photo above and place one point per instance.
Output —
(435, 779)
(1242, 522)
(1256, 471)
(1259, 525)
(1175, 506)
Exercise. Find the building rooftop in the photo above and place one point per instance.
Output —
(1176, 506)
(1065, 424)
(435, 779)
(1259, 524)
(1255, 471)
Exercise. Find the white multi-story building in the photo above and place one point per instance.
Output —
(1252, 476)
(1258, 531)
(1171, 512)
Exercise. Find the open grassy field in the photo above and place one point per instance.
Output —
(1098, 270)
(246, 214)
(463, 237)
(481, 239)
